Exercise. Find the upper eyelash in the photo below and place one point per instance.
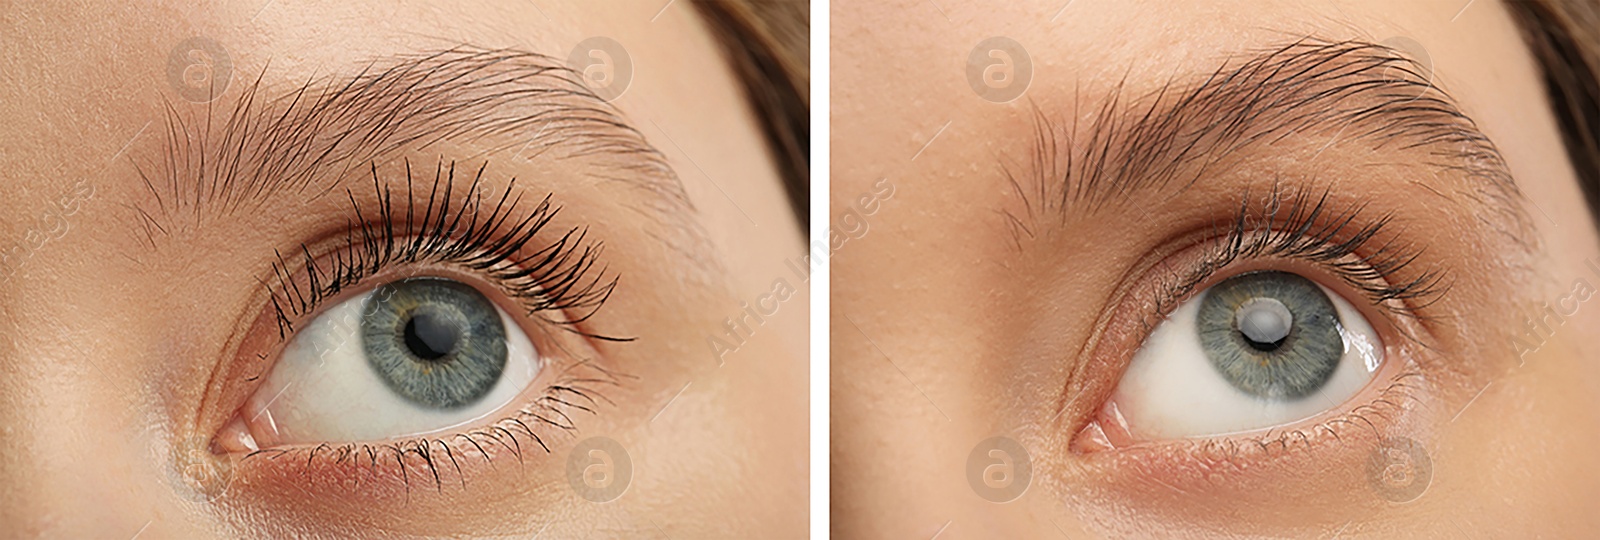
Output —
(1312, 230)
(561, 277)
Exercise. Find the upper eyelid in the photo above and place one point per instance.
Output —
(1348, 89)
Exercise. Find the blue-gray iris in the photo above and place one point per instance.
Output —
(1273, 335)
(435, 342)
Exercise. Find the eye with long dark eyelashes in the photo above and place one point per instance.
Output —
(465, 304)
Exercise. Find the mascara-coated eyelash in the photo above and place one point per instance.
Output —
(1298, 227)
(561, 282)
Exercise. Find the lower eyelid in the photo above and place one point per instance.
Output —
(417, 484)
(1320, 463)
(385, 467)
(543, 422)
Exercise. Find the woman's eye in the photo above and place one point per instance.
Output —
(409, 357)
(1257, 350)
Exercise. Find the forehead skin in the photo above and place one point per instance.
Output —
(95, 378)
(919, 285)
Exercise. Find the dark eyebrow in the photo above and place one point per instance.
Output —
(311, 139)
(1352, 91)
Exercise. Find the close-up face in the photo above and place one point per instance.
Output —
(1183, 269)
(276, 269)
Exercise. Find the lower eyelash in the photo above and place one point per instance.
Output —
(1375, 417)
(563, 276)
(552, 411)
(1369, 415)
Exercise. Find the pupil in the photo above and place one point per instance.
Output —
(1265, 323)
(430, 338)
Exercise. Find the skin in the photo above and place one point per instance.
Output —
(947, 330)
(125, 353)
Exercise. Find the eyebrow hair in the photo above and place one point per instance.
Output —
(330, 129)
(1351, 90)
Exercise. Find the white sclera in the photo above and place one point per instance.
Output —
(323, 390)
(1172, 391)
